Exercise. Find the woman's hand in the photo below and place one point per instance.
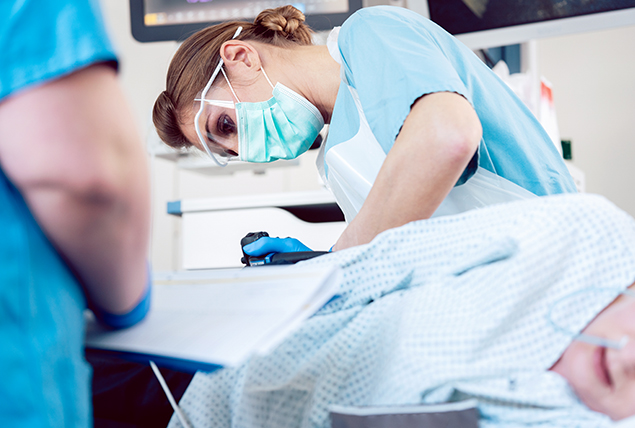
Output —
(437, 141)
(267, 245)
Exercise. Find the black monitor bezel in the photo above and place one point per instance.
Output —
(180, 32)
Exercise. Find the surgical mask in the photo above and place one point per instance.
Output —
(283, 127)
(587, 338)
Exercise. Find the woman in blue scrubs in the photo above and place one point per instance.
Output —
(74, 207)
(418, 124)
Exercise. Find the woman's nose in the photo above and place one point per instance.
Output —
(233, 146)
(229, 145)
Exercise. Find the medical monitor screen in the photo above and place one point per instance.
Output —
(466, 16)
(515, 21)
(155, 20)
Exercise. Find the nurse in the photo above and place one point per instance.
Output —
(74, 208)
(419, 126)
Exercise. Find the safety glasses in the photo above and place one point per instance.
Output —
(205, 106)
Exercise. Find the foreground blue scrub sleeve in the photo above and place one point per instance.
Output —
(45, 380)
(393, 56)
(43, 40)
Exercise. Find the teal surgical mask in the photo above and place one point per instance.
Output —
(283, 127)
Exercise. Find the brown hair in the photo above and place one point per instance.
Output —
(195, 61)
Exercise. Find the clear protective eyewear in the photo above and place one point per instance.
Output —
(215, 150)
(591, 339)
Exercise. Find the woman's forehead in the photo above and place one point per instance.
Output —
(186, 124)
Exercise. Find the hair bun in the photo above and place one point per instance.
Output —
(166, 120)
(285, 21)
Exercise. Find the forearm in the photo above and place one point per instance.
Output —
(73, 152)
(104, 237)
(436, 143)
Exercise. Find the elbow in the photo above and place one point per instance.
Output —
(98, 190)
(87, 184)
(451, 126)
(117, 175)
(461, 143)
(110, 183)
(100, 182)
(113, 173)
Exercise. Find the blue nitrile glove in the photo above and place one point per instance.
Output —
(267, 245)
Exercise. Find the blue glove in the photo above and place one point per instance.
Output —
(267, 245)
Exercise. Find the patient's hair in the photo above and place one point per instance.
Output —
(196, 59)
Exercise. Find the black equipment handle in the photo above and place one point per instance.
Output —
(273, 259)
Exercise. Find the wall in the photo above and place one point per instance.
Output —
(593, 77)
(594, 91)
(142, 74)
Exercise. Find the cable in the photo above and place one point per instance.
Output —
(166, 389)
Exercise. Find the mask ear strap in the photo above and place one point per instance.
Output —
(266, 77)
(222, 70)
(229, 84)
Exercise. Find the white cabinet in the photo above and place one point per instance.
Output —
(212, 228)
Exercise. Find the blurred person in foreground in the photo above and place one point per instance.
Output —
(74, 192)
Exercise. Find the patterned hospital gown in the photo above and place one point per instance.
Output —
(477, 305)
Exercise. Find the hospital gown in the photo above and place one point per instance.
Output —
(478, 305)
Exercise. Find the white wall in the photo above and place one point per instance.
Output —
(593, 76)
(142, 73)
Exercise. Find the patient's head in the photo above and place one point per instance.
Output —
(604, 378)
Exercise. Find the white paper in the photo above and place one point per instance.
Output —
(222, 316)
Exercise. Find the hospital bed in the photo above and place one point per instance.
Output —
(156, 392)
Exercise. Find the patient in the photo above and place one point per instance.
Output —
(484, 305)
(487, 305)
(602, 377)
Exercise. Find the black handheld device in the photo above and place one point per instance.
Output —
(275, 258)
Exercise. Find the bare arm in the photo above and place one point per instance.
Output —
(436, 142)
(72, 149)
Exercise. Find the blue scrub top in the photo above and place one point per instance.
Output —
(42, 40)
(45, 380)
(393, 56)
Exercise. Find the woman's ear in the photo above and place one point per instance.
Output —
(240, 56)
